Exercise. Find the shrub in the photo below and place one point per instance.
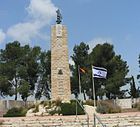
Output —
(136, 105)
(42, 102)
(102, 109)
(70, 109)
(31, 106)
(16, 112)
(36, 108)
(107, 107)
(47, 103)
(56, 111)
(89, 102)
(57, 102)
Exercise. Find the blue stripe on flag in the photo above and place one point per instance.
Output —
(99, 72)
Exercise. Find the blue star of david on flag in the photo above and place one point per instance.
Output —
(99, 72)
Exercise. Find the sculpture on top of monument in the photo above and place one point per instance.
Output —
(59, 17)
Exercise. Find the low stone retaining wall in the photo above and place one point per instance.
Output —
(5, 105)
(124, 103)
(127, 103)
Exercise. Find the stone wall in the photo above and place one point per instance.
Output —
(127, 103)
(5, 105)
(124, 103)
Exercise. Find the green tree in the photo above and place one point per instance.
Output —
(29, 67)
(9, 62)
(103, 55)
(80, 55)
(43, 88)
(32, 66)
(80, 58)
(24, 90)
(19, 63)
(5, 86)
(133, 91)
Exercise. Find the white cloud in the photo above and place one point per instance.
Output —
(71, 62)
(96, 41)
(23, 31)
(42, 10)
(2, 36)
(41, 13)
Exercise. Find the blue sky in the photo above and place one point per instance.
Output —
(91, 21)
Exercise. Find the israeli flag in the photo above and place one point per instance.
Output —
(99, 72)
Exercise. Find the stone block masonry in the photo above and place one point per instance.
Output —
(60, 73)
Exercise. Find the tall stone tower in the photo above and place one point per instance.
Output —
(60, 73)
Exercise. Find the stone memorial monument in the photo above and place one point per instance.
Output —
(60, 73)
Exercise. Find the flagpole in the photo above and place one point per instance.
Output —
(93, 88)
(79, 80)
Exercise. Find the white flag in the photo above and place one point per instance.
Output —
(99, 72)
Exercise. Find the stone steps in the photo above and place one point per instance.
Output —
(45, 122)
(110, 120)
(121, 120)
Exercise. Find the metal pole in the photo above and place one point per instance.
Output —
(88, 120)
(76, 109)
(93, 87)
(79, 80)
(94, 124)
